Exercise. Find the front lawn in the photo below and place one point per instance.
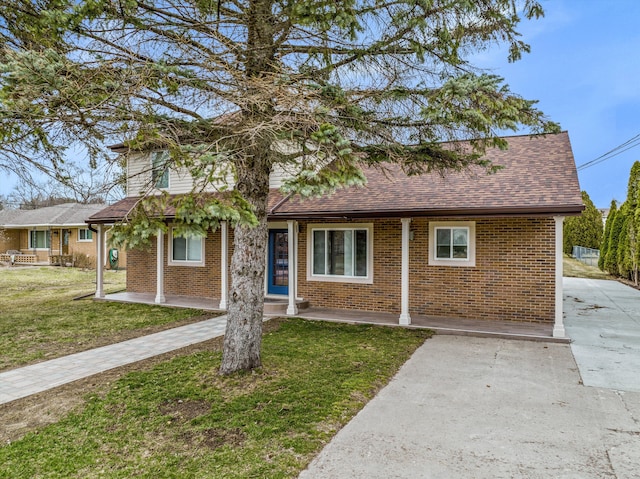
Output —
(573, 268)
(39, 319)
(180, 419)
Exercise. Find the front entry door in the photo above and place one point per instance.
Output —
(278, 270)
(65, 241)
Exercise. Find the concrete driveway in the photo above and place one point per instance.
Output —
(465, 407)
(603, 320)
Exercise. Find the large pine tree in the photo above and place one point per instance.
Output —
(238, 88)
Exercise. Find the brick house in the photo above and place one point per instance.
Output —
(467, 245)
(49, 235)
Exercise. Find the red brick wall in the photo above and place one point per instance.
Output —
(199, 281)
(9, 240)
(141, 270)
(382, 295)
(514, 276)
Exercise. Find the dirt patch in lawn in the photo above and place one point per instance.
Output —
(34, 412)
(184, 410)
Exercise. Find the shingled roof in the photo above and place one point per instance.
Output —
(538, 177)
(68, 214)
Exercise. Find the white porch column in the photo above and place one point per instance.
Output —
(99, 262)
(160, 267)
(558, 327)
(405, 317)
(224, 265)
(292, 264)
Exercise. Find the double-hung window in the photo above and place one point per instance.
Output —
(452, 243)
(160, 169)
(85, 234)
(186, 251)
(39, 239)
(341, 253)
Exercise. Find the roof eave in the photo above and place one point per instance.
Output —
(499, 212)
(504, 212)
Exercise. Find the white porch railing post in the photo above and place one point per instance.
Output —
(292, 265)
(99, 262)
(558, 327)
(160, 267)
(405, 317)
(224, 265)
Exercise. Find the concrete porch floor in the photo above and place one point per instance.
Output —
(441, 325)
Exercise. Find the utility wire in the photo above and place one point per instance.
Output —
(627, 145)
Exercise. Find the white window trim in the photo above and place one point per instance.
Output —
(470, 261)
(172, 262)
(90, 240)
(40, 249)
(336, 278)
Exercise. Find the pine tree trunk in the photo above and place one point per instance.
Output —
(243, 335)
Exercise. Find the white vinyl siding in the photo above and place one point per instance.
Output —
(138, 174)
(139, 177)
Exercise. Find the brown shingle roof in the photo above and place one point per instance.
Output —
(538, 178)
(122, 208)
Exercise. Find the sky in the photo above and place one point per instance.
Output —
(584, 70)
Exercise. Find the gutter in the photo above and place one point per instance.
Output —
(569, 210)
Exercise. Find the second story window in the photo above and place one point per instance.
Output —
(160, 169)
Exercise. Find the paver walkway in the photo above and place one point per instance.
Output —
(22, 382)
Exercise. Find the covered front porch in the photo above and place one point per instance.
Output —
(290, 304)
(441, 325)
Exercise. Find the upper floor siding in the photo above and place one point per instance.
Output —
(141, 179)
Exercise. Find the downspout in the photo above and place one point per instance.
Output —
(280, 203)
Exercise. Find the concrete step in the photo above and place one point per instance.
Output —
(274, 307)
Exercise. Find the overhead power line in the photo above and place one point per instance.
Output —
(627, 145)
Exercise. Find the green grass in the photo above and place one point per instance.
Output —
(182, 420)
(39, 319)
(575, 269)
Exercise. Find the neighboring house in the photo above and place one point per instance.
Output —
(50, 235)
(466, 245)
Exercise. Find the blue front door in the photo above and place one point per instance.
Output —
(278, 271)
